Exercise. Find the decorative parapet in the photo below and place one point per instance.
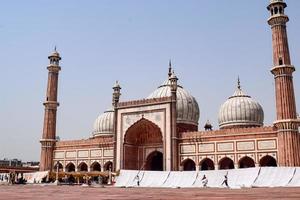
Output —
(143, 102)
(96, 142)
(228, 132)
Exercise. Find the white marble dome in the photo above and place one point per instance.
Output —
(240, 110)
(187, 106)
(104, 124)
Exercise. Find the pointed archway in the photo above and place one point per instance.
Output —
(154, 161)
(246, 162)
(207, 164)
(70, 167)
(95, 167)
(82, 167)
(268, 161)
(188, 165)
(141, 136)
(59, 165)
(226, 163)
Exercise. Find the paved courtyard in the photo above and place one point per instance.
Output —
(89, 193)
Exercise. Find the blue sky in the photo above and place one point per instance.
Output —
(210, 44)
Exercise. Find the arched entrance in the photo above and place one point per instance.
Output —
(226, 163)
(70, 167)
(267, 161)
(207, 164)
(140, 137)
(154, 161)
(60, 167)
(82, 167)
(95, 167)
(108, 166)
(188, 165)
(246, 162)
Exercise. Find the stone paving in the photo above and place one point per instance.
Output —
(26, 192)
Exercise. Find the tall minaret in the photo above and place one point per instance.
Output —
(286, 122)
(49, 131)
(174, 144)
(115, 100)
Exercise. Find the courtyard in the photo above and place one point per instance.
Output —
(43, 192)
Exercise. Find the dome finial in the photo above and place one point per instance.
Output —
(170, 68)
(55, 48)
(239, 83)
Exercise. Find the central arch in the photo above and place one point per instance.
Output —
(143, 136)
(154, 161)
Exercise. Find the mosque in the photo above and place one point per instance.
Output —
(160, 132)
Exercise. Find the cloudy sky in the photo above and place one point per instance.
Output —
(210, 44)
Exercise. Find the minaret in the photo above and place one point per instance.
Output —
(115, 100)
(49, 131)
(286, 122)
(174, 146)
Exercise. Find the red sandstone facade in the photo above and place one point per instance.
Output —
(149, 133)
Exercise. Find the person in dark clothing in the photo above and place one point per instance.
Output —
(204, 181)
(138, 180)
(225, 181)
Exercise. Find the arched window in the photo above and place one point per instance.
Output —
(268, 161)
(207, 164)
(276, 10)
(70, 167)
(280, 61)
(108, 166)
(246, 162)
(226, 163)
(95, 167)
(82, 167)
(189, 165)
(280, 10)
(60, 167)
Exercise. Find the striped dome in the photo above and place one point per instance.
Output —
(187, 106)
(240, 110)
(104, 124)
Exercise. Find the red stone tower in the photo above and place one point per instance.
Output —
(49, 131)
(286, 122)
(174, 144)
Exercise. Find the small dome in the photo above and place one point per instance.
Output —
(276, 1)
(240, 110)
(54, 54)
(104, 124)
(187, 106)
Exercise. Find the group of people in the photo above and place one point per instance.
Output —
(205, 181)
(12, 178)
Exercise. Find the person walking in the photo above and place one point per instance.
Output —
(225, 181)
(204, 181)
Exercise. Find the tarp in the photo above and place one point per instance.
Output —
(295, 182)
(274, 176)
(125, 178)
(181, 179)
(239, 178)
(35, 177)
(214, 177)
(154, 178)
(187, 179)
(173, 179)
